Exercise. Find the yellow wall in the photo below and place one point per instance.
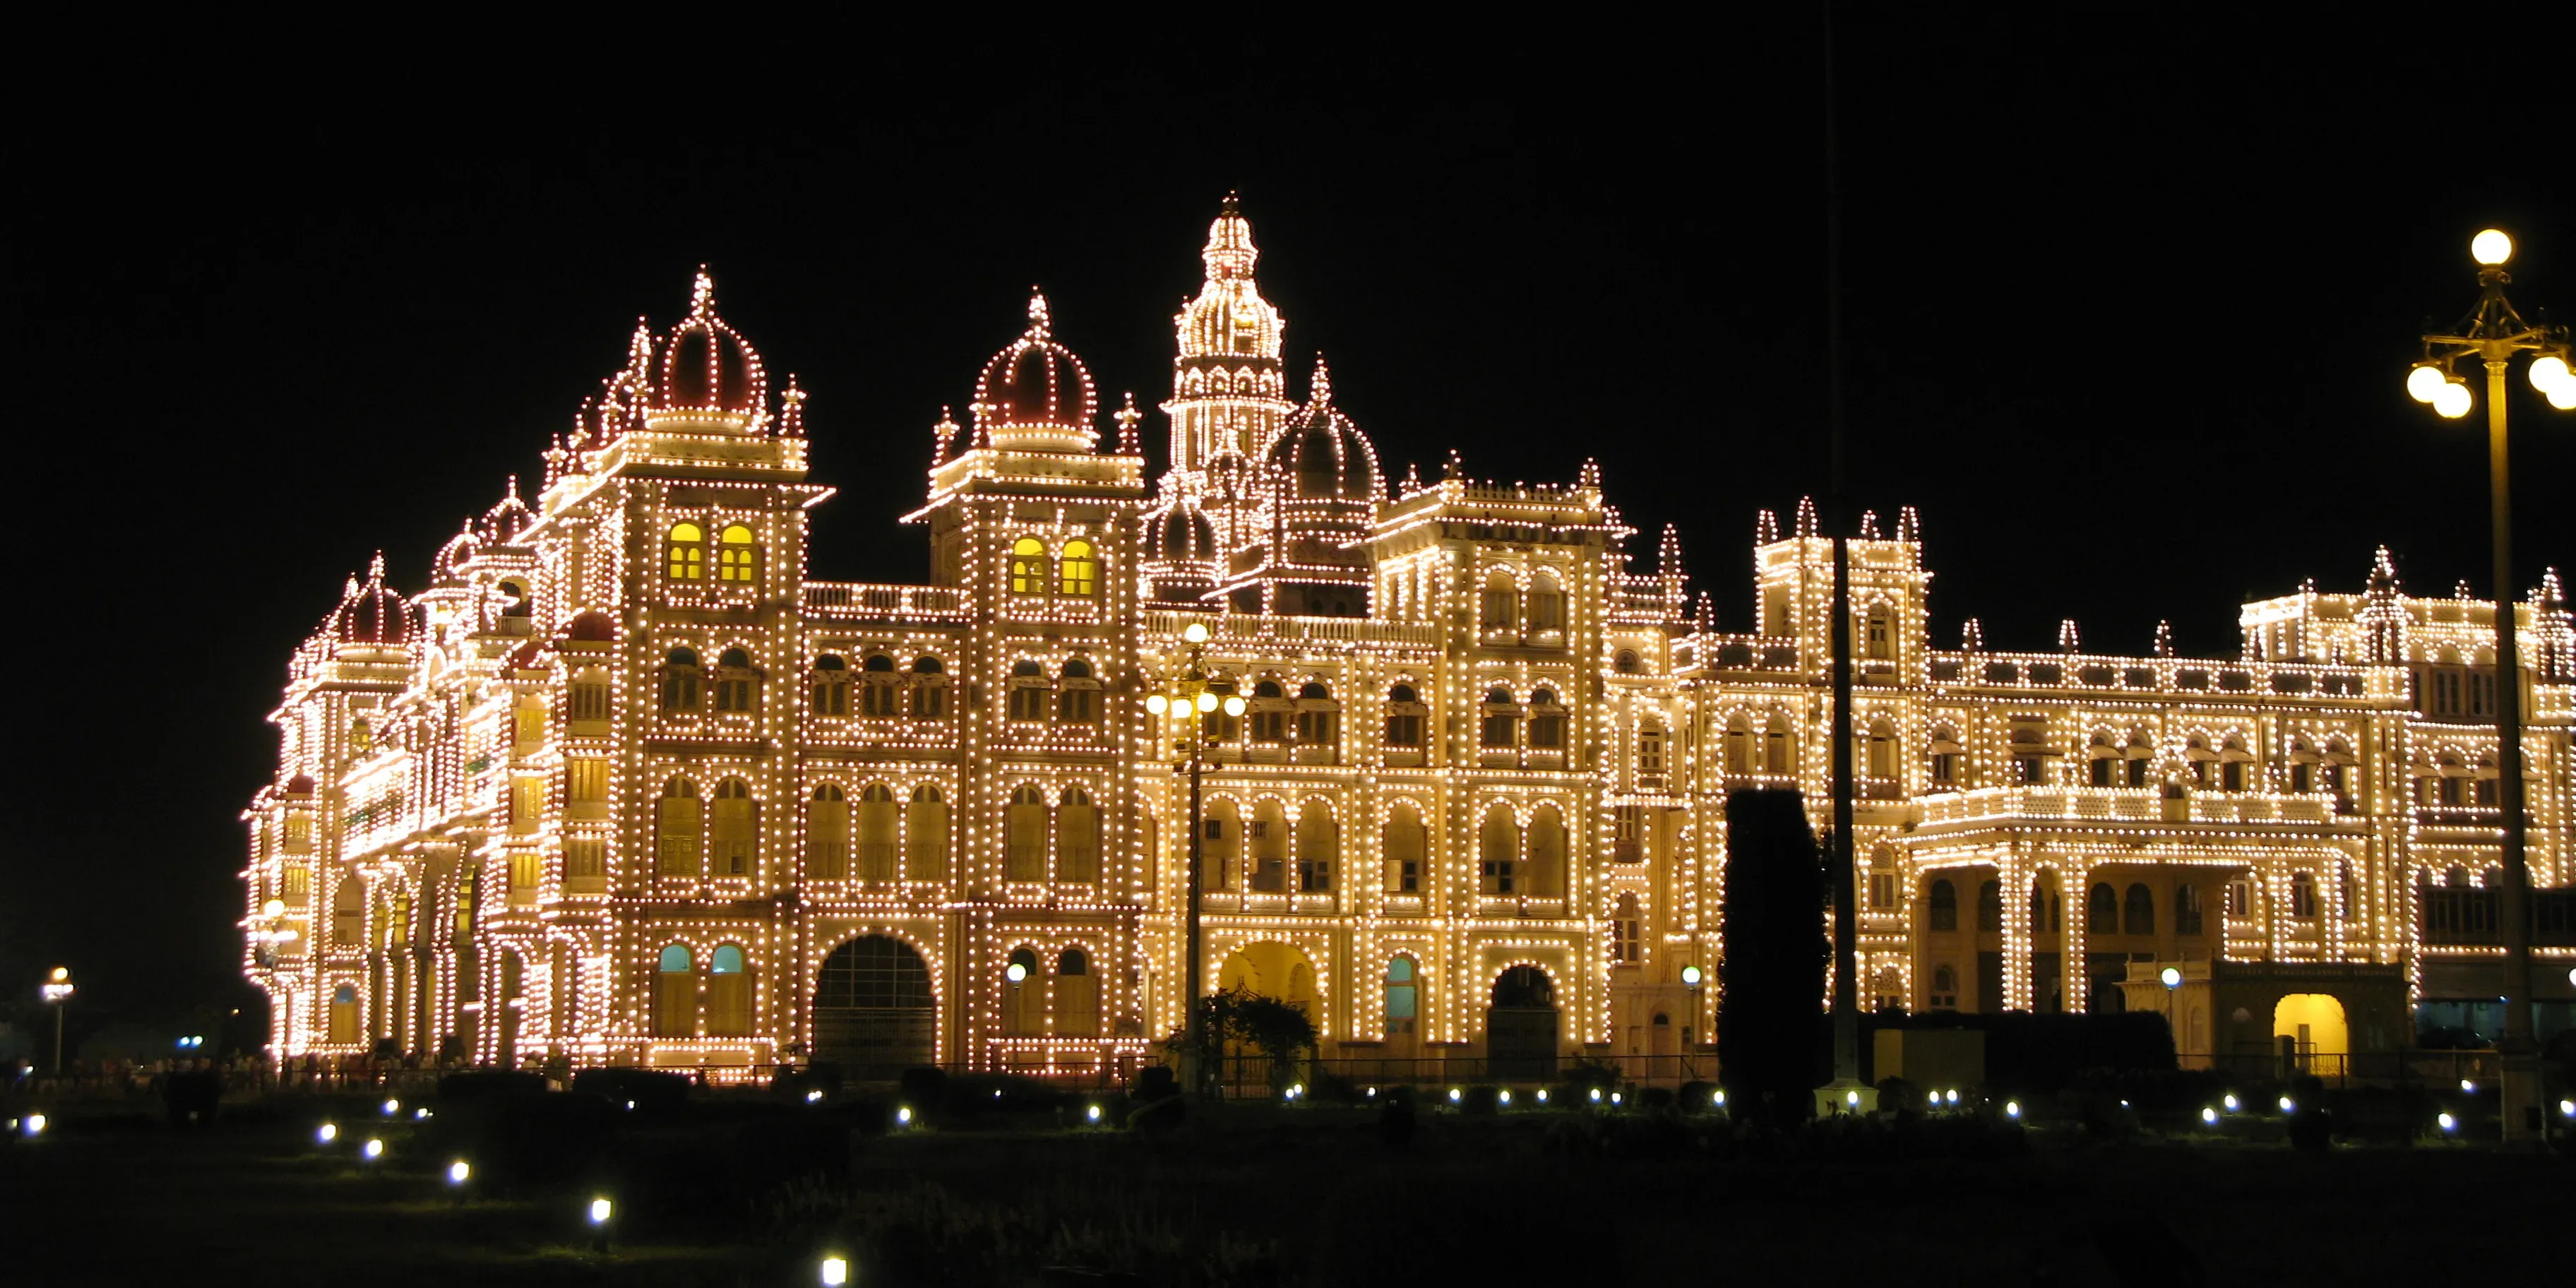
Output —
(2321, 1013)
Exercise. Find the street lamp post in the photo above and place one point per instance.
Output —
(2493, 334)
(1187, 703)
(57, 991)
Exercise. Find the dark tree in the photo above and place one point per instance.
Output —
(1773, 973)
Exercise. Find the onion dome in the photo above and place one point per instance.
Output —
(1322, 454)
(504, 523)
(1035, 396)
(300, 785)
(459, 551)
(593, 627)
(373, 613)
(708, 377)
(530, 656)
(1180, 532)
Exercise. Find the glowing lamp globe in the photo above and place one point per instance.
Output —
(1016, 973)
(2563, 395)
(1156, 703)
(2491, 247)
(1207, 701)
(273, 908)
(2172, 978)
(2453, 402)
(1691, 976)
(2548, 371)
(600, 1210)
(1234, 706)
(2425, 383)
(1195, 633)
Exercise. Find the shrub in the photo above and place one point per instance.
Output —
(1697, 1096)
(923, 1087)
(655, 1093)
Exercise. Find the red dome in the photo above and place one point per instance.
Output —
(504, 523)
(300, 785)
(1180, 533)
(1035, 395)
(594, 627)
(373, 613)
(707, 365)
(530, 656)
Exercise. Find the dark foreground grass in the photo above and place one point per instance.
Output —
(1258, 1195)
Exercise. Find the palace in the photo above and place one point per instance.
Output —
(621, 785)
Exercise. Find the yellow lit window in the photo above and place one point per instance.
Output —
(1077, 573)
(1028, 567)
(734, 556)
(685, 551)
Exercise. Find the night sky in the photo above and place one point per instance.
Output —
(2128, 309)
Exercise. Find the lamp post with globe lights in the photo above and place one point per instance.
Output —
(2492, 335)
(57, 992)
(1185, 708)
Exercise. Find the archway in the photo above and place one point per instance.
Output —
(1274, 969)
(874, 1015)
(2309, 1029)
(1520, 1027)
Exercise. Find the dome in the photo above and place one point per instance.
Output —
(1035, 395)
(594, 627)
(373, 613)
(300, 785)
(708, 374)
(459, 551)
(504, 523)
(1323, 455)
(1180, 532)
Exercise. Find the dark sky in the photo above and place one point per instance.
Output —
(2129, 305)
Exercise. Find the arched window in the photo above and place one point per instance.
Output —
(2303, 896)
(1318, 716)
(1319, 843)
(349, 913)
(733, 830)
(827, 834)
(1944, 905)
(1500, 727)
(1498, 607)
(345, 1019)
(830, 690)
(878, 823)
(1780, 754)
(1028, 566)
(1498, 845)
(1945, 989)
(1881, 761)
(680, 681)
(1077, 572)
(1404, 715)
(2102, 910)
(1882, 877)
(728, 993)
(880, 689)
(1739, 745)
(1028, 700)
(1627, 933)
(2186, 909)
(925, 835)
(675, 994)
(677, 829)
(1546, 874)
(737, 684)
(1024, 853)
(2046, 915)
(588, 702)
(1404, 845)
(2138, 911)
(1627, 662)
(684, 551)
(1945, 757)
(1546, 605)
(1547, 721)
(737, 559)
(1220, 857)
(1269, 840)
(1079, 702)
(1878, 633)
(1077, 838)
(929, 689)
(1403, 1001)
(1990, 906)
(1077, 996)
(1024, 998)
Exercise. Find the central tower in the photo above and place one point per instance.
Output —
(1229, 394)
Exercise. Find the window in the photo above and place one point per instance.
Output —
(1500, 726)
(1547, 722)
(1079, 703)
(879, 821)
(2103, 770)
(1498, 603)
(1023, 999)
(1028, 566)
(1077, 572)
(929, 689)
(2047, 916)
(1218, 857)
(925, 835)
(1403, 717)
(728, 993)
(1269, 837)
(1543, 876)
(2240, 897)
(1402, 1001)
(676, 830)
(685, 553)
(733, 829)
(1781, 755)
(1077, 996)
(1546, 605)
(589, 697)
(1028, 700)
(1628, 834)
(1627, 933)
(1990, 907)
(1878, 634)
(1882, 890)
(585, 780)
(1024, 853)
(827, 834)
(829, 691)
(2303, 896)
(680, 681)
(2186, 910)
(1498, 853)
(585, 860)
(2102, 911)
(1318, 844)
(675, 994)
(736, 557)
(737, 684)
(879, 687)
(1882, 750)
(1945, 989)
(1077, 838)
(2138, 911)
(1944, 906)
(1318, 720)
(1405, 841)
(1739, 746)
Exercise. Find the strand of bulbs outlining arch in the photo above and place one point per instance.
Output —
(2432, 382)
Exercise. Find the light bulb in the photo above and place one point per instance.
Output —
(2491, 247)
(2563, 397)
(2425, 383)
(1156, 703)
(1195, 632)
(1207, 701)
(2453, 402)
(1234, 706)
(2547, 372)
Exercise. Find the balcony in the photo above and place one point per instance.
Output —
(2139, 803)
(865, 599)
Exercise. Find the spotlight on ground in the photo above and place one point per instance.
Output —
(326, 1133)
(373, 1149)
(836, 1271)
(392, 1107)
(459, 1171)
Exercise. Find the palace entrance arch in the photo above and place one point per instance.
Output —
(874, 1014)
(1520, 1027)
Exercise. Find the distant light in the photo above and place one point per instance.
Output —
(1852, 1098)
(1718, 1097)
(2567, 1107)
(421, 1114)
(374, 1148)
(2209, 1116)
(1195, 633)
(1155, 704)
(2230, 1102)
(2447, 1122)
(1507, 1097)
(2468, 1088)
(600, 1210)
(2012, 1109)
(997, 1093)
(1542, 1095)
(1093, 1113)
(630, 1104)
(1691, 976)
(2171, 976)
(1954, 1095)
(1453, 1095)
(1614, 1097)
(2288, 1106)
(327, 1132)
(458, 1171)
(1596, 1095)
(836, 1271)
(903, 1115)
(1935, 1098)
(392, 1107)
(1015, 973)
(814, 1096)
(2491, 247)
(34, 1124)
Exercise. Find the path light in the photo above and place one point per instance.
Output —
(1453, 1095)
(2447, 1122)
(1691, 976)
(373, 1149)
(326, 1133)
(1614, 1097)
(630, 1105)
(836, 1271)
(392, 1107)
(1935, 1099)
(1596, 1095)
(600, 1210)
(903, 1115)
(2468, 1088)
(814, 1097)
(2567, 1108)
(1016, 972)
(2012, 1110)
(2209, 1116)
(1718, 1098)
(458, 1171)
(1542, 1095)
(420, 1115)
(34, 1124)
(2171, 977)
(2287, 1106)
(2230, 1101)
(1372, 1092)
(1852, 1099)
(1507, 1096)
(1093, 1113)
(1954, 1096)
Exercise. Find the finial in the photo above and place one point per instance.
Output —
(2552, 594)
(702, 295)
(1668, 552)
(1706, 614)
(510, 492)
(349, 588)
(2383, 570)
(1457, 467)
(2164, 639)
(2068, 640)
(1037, 314)
(1320, 391)
(941, 435)
(1972, 635)
(1869, 525)
(791, 416)
(376, 567)
(2462, 590)
(1909, 525)
(1127, 417)
(1233, 203)
(1806, 516)
(1766, 528)
(1590, 475)
(1412, 476)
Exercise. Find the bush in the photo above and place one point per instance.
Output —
(192, 1097)
(1481, 1101)
(1698, 1096)
(1395, 1119)
(923, 1088)
(1156, 1082)
(655, 1093)
(2311, 1130)
(1656, 1098)
(485, 1084)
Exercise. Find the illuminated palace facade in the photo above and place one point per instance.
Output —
(623, 785)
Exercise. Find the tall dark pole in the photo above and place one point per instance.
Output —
(1196, 1020)
(1837, 517)
(2519, 1051)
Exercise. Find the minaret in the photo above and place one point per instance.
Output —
(1229, 393)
